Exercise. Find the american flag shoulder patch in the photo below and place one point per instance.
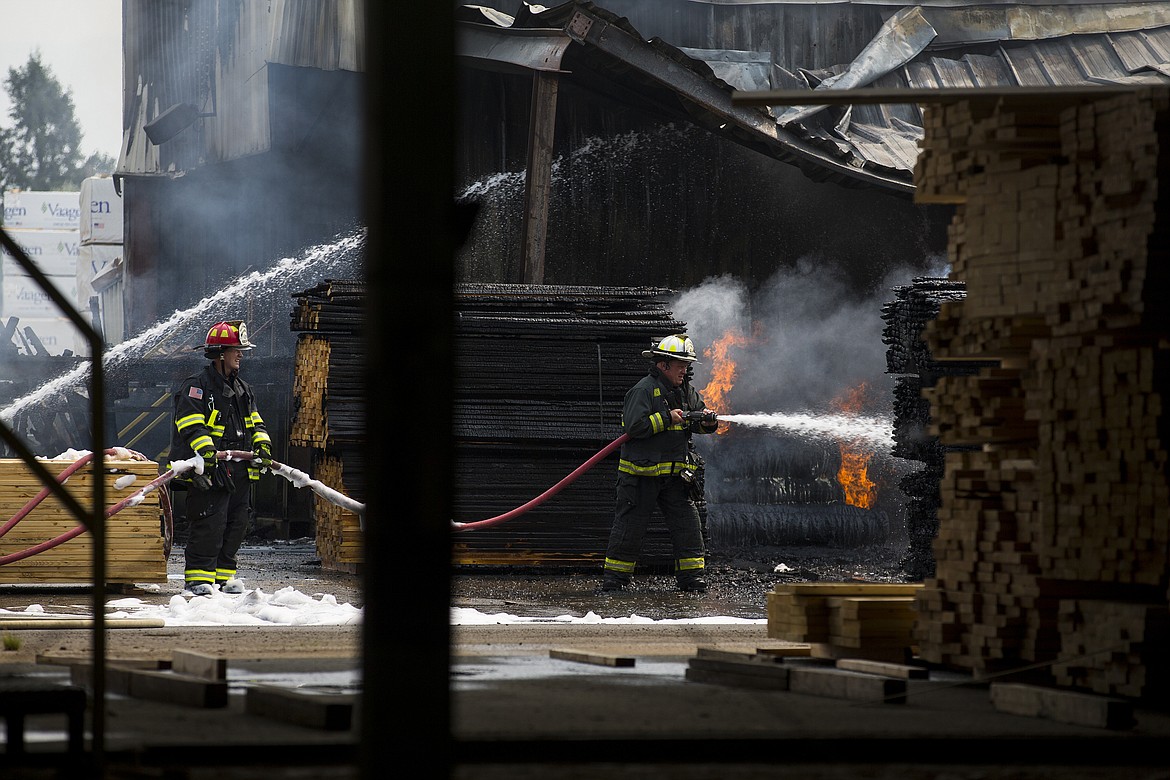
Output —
(195, 392)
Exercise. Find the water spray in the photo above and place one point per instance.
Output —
(310, 259)
(872, 430)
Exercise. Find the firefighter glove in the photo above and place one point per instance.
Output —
(200, 482)
(209, 460)
(262, 455)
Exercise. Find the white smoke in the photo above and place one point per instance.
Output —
(811, 340)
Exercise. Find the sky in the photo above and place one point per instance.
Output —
(81, 43)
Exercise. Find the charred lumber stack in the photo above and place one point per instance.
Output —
(909, 358)
(1054, 529)
(541, 375)
(327, 417)
(134, 540)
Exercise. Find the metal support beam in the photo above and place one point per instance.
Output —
(538, 174)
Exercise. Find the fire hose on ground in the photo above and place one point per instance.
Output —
(196, 464)
(565, 482)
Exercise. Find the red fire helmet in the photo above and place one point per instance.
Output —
(229, 333)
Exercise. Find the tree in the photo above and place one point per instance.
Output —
(42, 148)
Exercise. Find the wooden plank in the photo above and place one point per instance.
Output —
(794, 651)
(902, 671)
(329, 711)
(201, 665)
(178, 689)
(585, 657)
(717, 654)
(839, 684)
(1082, 709)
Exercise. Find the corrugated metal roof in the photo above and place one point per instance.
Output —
(886, 135)
(214, 55)
(611, 56)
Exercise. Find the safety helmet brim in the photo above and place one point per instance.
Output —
(656, 356)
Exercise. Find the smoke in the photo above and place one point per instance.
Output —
(810, 339)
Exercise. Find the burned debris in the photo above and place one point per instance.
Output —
(909, 359)
(541, 374)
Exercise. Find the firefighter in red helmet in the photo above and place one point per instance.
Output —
(215, 410)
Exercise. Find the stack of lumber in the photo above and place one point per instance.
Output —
(845, 619)
(1054, 529)
(327, 417)
(339, 533)
(541, 375)
(909, 359)
(134, 542)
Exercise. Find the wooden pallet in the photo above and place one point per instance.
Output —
(134, 541)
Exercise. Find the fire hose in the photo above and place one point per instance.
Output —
(696, 416)
(195, 463)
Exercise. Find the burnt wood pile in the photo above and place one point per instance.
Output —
(914, 368)
(1053, 550)
(327, 419)
(542, 372)
(763, 489)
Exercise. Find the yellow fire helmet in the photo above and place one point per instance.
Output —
(676, 347)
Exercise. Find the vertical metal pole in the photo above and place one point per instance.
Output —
(409, 205)
(97, 531)
(538, 175)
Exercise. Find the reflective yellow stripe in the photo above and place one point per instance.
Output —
(223, 575)
(216, 430)
(653, 470)
(656, 422)
(214, 416)
(625, 567)
(199, 575)
(202, 442)
(189, 420)
(690, 564)
(261, 436)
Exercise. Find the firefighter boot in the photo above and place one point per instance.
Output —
(692, 582)
(612, 582)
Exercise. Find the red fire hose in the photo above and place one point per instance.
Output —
(546, 495)
(297, 478)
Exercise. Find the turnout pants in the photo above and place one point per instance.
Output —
(636, 499)
(218, 520)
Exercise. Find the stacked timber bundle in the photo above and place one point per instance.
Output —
(914, 367)
(541, 376)
(1054, 530)
(134, 542)
(327, 417)
(845, 619)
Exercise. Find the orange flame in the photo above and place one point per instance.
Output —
(722, 373)
(853, 475)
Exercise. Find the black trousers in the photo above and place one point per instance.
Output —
(218, 520)
(637, 498)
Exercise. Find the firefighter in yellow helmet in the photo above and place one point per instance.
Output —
(655, 468)
(215, 410)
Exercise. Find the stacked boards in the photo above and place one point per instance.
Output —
(846, 619)
(328, 421)
(542, 371)
(135, 544)
(1054, 526)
